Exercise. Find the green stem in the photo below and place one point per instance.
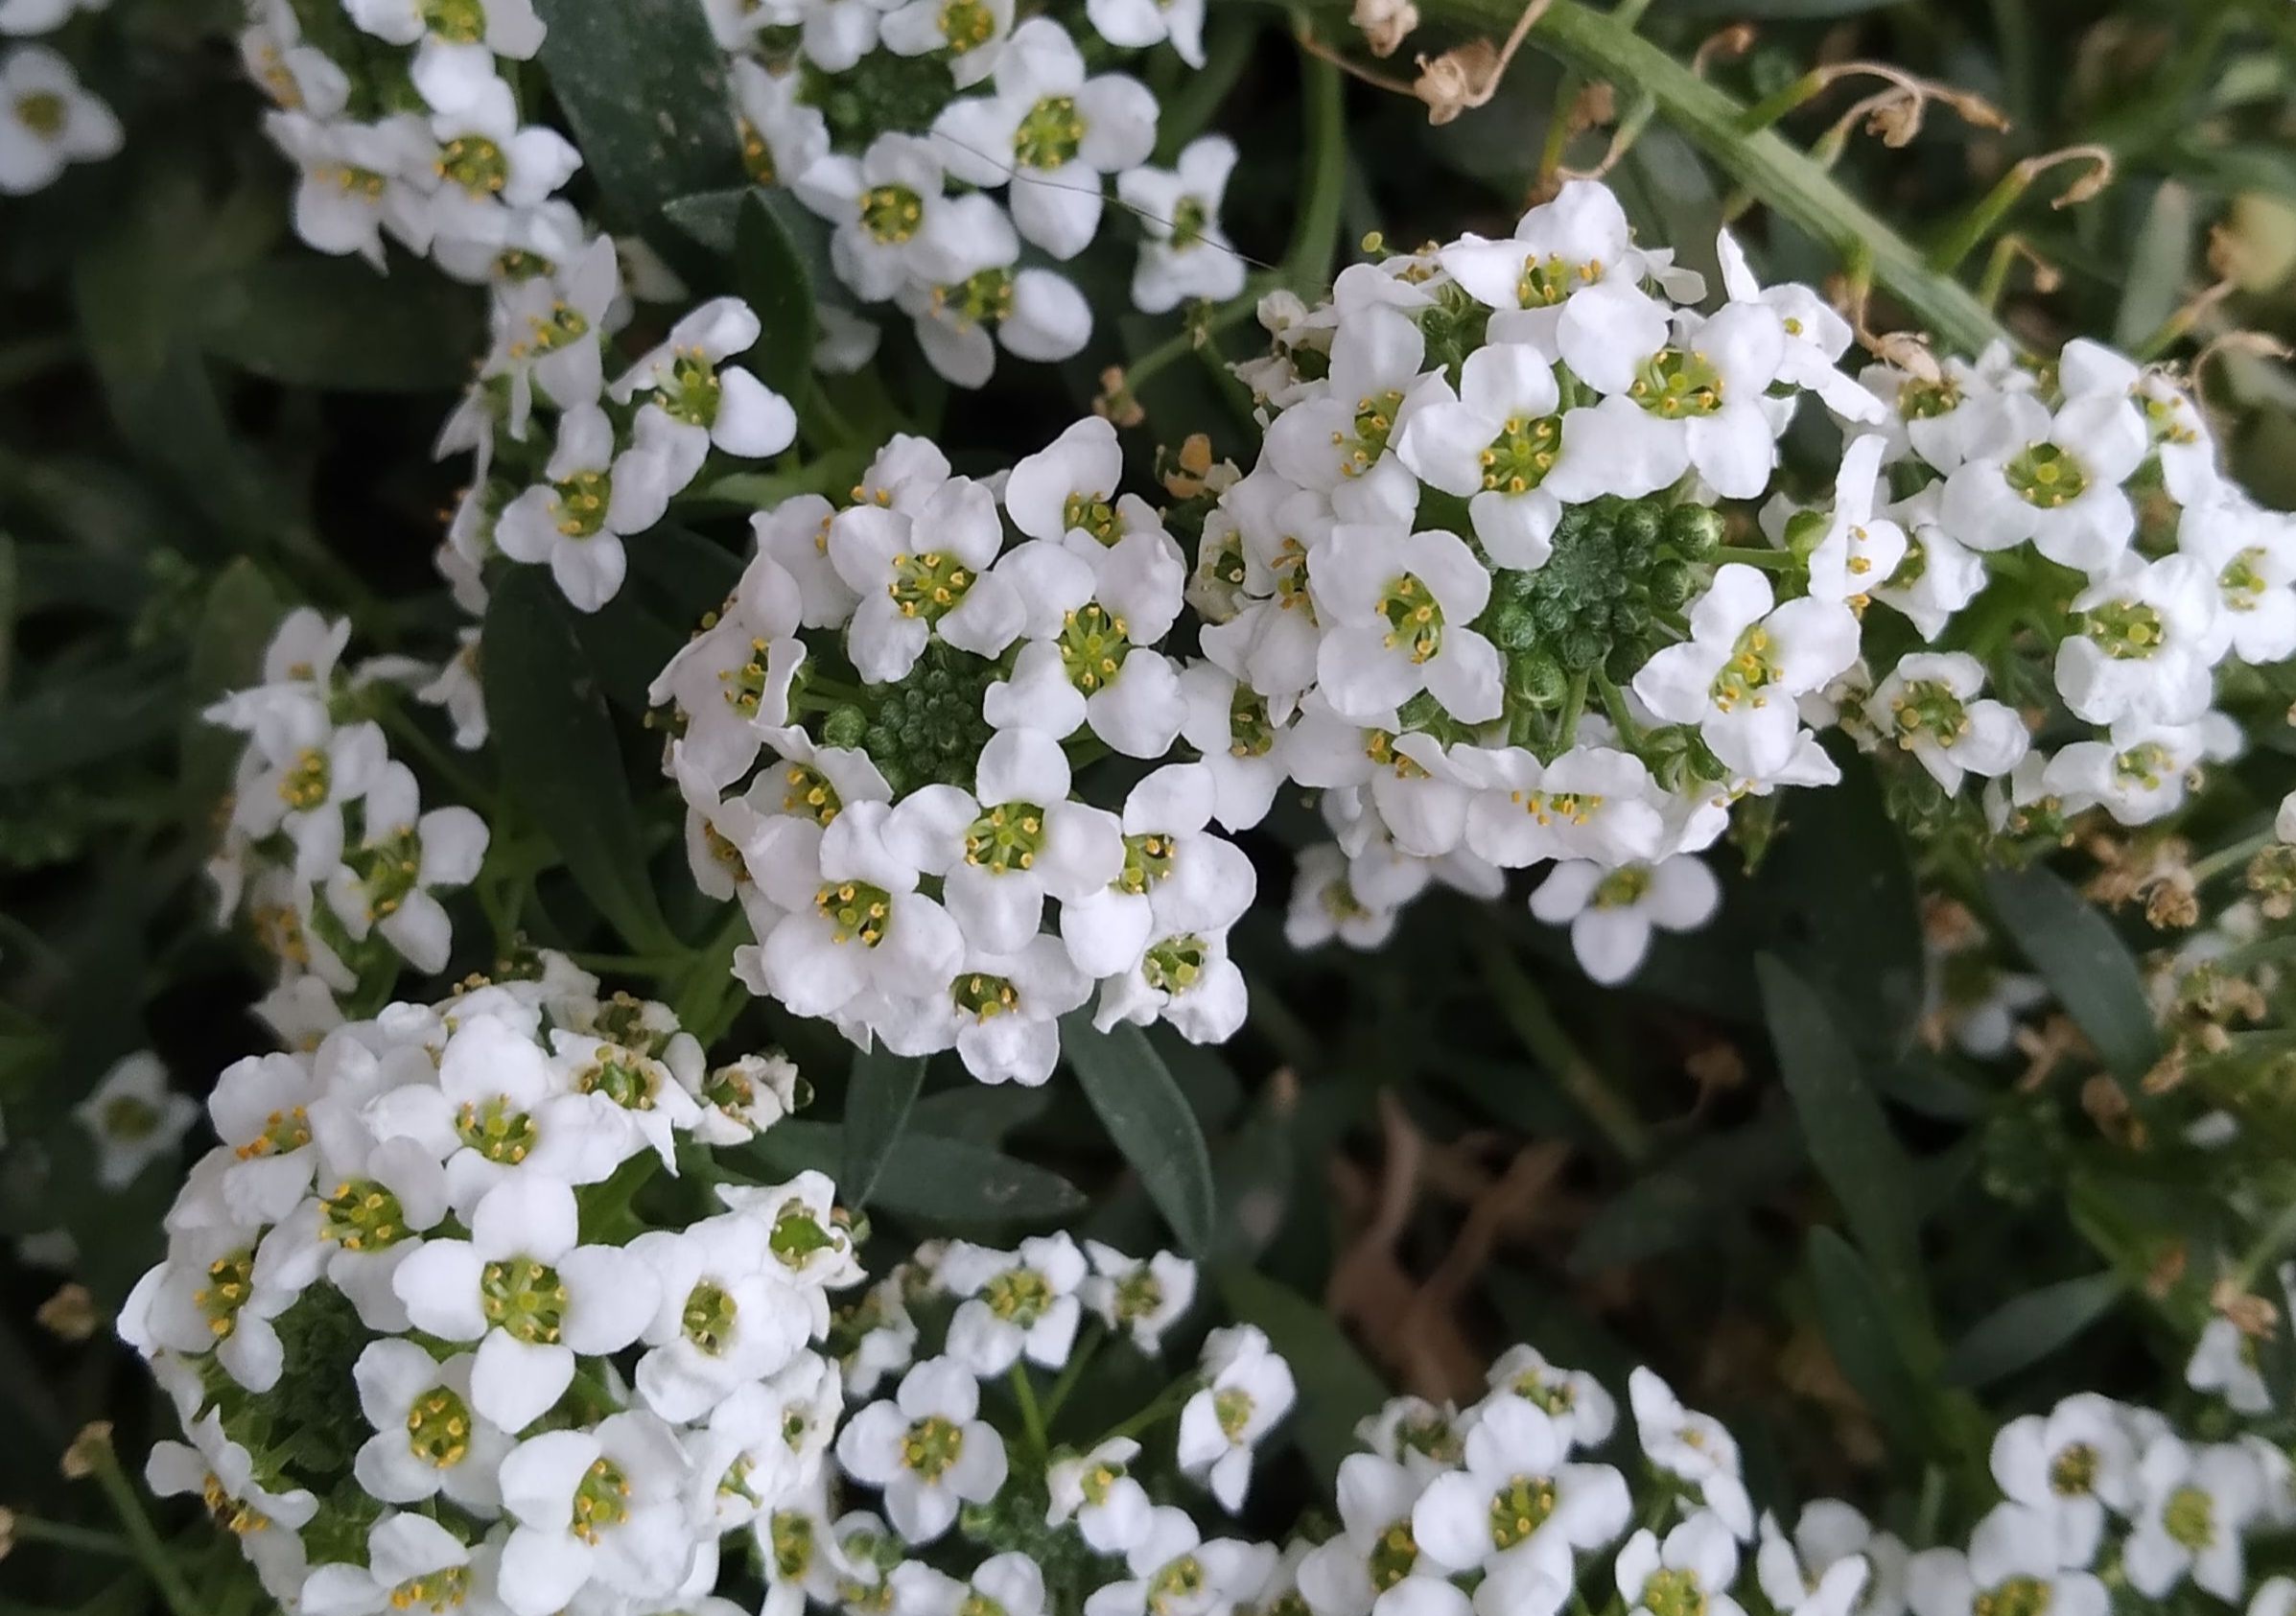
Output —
(143, 1541)
(457, 779)
(2231, 858)
(1079, 1356)
(1573, 704)
(1981, 221)
(1755, 556)
(1163, 1403)
(1534, 1020)
(2278, 1236)
(1032, 1418)
(1614, 704)
(1308, 261)
(1600, 47)
(30, 1529)
(1188, 338)
(1202, 94)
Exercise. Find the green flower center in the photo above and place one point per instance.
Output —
(1623, 887)
(1177, 1584)
(1675, 384)
(1415, 622)
(356, 181)
(439, 1428)
(929, 585)
(361, 1215)
(1006, 838)
(692, 392)
(496, 1132)
(2072, 1473)
(517, 264)
(563, 324)
(792, 1535)
(524, 1298)
(1340, 903)
(979, 299)
(388, 871)
(1911, 570)
(1927, 706)
(2045, 476)
(475, 163)
(128, 1119)
(441, 1590)
(1556, 1396)
(1093, 643)
(1049, 135)
(1520, 1509)
(1374, 422)
(855, 909)
(1673, 1593)
(2127, 631)
(2242, 581)
(43, 112)
(459, 22)
(602, 1499)
(966, 24)
(891, 214)
(1190, 218)
(1750, 670)
(629, 1082)
(1147, 861)
(708, 1317)
(745, 685)
(797, 1237)
(2146, 763)
(1250, 733)
(1173, 965)
(811, 794)
(230, 1282)
(1919, 399)
(1019, 1296)
(980, 995)
(978, 1604)
(1392, 1555)
(1519, 458)
(1097, 1480)
(581, 500)
(1139, 1295)
(2015, 1596)
(932, 1446)
(1095, 514)
(1433, 1436)
(1232, 1407)
(304, 784)
(757, 156)
(1547, 281)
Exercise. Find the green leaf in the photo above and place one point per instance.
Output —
(1150, 1121)
(236, 622)
(312, 321)
(876, 1107)
(1862, 1331)
(982, 1113)
(10, 597)
(772, 277)
(643, 84)
(1336, 1388)
(71, 724)
(1701, 1196)
(2159, 263)
(707, 218)
(931, 1180)
(2085, 963)
(1845, 1129)
(2026, 1329)
(559, 755)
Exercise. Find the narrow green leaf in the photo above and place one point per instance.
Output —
(10, 597)
(314, 321)
(876, 1107)
(1336, 1388)
(982, 1113)
(1150, 1121)
(559, 755)
(1862, 1331)
(643, 84)
(68, 725)
(2085, 963)
(774, 280)
(929, 1179)
(2026, 1329)
(2159, 263)
(1845, 1129)
(707, 218)
(236, 622)
(1699, 1196)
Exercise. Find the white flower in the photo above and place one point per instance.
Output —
(404, 856)
(1571, 1399)
(1185, 254)
(1339, 441)
(1858, 550)
(356, 181)
(41, 16)
(1373, 1564)
(1496, 446)
(1325, 905)
(1229, 724)
(1011, 1583)
(927, 1448)
(728, 1315)
(548, 332)
(2056, 481)
(926, 578)
(1699, 402)
(2224, 1362)
(1397, 610)
(1176, 1573)
(1928, 702)
(457, 690)
(880, 202)
(221, 1472)
(206, 1297)
(428, 1438)
(702, 401)
(489, 166)
(971, 295)
(1593, 801)
(1939, 574)
(592, 495)
(297, 77)
(411, 1560)
(2013, 1555)
(1138, 24)
(971, 32)
(1612, 912)
(2138, 774)
(2068, 1467)
(455, 49)
(1739, 673)
(1015, 1303)
(1692, 1569)
(1186, 978)
(1051, 133)
(2283, 822)
(528, 1295)
(1248, 1387)
(1019, 841)
(604, 1507)
(1694, 1446)
(731, 681)
(1172, 876)
(1110, 1510)
(1815, 335)
(2253, 553)
(1567, 283)
(1835, 1564)
(781, 137)
(134, 1118)
(2193, 1504)
(1145, 1296)
(2147, 637)
(1518, 1495)
(47, 120)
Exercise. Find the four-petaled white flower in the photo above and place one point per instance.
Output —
(927, 1448)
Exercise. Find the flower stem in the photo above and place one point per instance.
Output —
(30, 1529)
(143, 1541)
(1079, 1357)
(1032, 1418)
(2229, 857)
(1308, 261)
(1532, 1018)
(1158, 1407)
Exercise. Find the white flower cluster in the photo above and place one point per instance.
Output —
(1477, 588)
(876, 736)
(325, 845)
(2099, 482)
(427, 1351)
(48, 118)
(899, 121)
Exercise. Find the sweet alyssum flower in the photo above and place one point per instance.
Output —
(927, 1449)
(1015, 1304)
(1185, 254)
(47, 120)
(594, 494)
(133, 1118)
(698, 401)
(1613, 911)
(1248, 1389)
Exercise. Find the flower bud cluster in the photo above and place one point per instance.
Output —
(439, 1334)
(877, 738)
(324, 845)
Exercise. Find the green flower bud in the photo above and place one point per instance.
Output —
(1670, 585)
(1512, 627)
(1536, 678)
(1696, 530)
(1638, 526)
(1805, 530)
(846, 726)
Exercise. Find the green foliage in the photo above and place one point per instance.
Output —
(1133, 1093)
(2084, 961)
(878, 1104)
